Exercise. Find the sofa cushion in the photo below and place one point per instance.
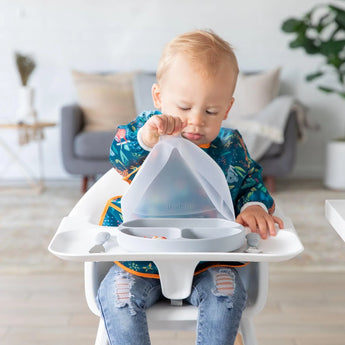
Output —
(106, 100)
(93, 144)
(254, 92)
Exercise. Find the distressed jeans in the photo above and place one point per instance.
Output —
(217, 292)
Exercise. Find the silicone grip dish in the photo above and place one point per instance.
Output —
(181, 235)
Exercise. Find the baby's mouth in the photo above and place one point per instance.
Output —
(192, 136)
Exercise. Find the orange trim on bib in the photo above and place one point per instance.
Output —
(107, 205)
(129, 175)
(204, 146)
(156, 276)
(219, 265)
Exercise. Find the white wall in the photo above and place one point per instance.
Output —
(107, 35)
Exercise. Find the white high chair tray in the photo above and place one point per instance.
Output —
(74, 238)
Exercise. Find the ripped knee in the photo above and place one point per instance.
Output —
(224, 282)
(123, 295)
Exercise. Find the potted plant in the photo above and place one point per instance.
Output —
(25, 65)
(321, 31)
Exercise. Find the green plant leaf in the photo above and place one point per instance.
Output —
(340, 20)
(310, 47)
(322, 35)
(337, 9)
(314, 75)
(320, 27)
(332, 47)
(292, 25)
(334, 61)
(340, 15)
(326, 89)
(340, 12)
(330, 90)
(298, 42)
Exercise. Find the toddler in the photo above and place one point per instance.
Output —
(196, 78)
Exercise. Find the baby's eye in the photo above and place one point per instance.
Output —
(211, 112)
(184, 108)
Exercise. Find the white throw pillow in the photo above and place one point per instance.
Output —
(254, 92)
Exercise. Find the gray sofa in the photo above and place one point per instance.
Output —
(86, 153)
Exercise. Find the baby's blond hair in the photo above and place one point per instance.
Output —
(205, 49)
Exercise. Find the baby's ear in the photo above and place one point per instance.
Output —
(229, 107)
(156, 96)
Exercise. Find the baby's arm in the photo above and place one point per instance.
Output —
(159, 125)
(126, 153)
(258, 217)
(260, 221)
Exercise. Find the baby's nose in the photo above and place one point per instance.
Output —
(196, 118)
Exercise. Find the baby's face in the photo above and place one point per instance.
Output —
(202, 99)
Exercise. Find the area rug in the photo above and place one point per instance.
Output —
(28, 222)
(304, 202)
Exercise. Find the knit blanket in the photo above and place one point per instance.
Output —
(262, 129)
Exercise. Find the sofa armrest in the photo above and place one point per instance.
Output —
(71, 123)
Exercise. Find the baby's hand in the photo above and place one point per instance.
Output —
(161, 125)
(258, 220)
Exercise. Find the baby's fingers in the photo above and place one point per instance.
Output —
(278, 221)
(271, 229)
(163, 125)
(167, 124)
(270, 226)
(171, 124)
(248, 221)
(156, 123)
(265, 227)
(179, 125)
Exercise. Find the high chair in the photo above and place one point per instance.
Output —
(77, 231)
(162, 315)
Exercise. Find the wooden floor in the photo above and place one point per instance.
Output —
(302, 309)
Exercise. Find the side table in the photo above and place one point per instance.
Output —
(27, 133)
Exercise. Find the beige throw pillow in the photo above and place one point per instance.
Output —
(254, 92)
(107, 100)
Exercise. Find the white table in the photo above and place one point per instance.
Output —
(335, 214)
